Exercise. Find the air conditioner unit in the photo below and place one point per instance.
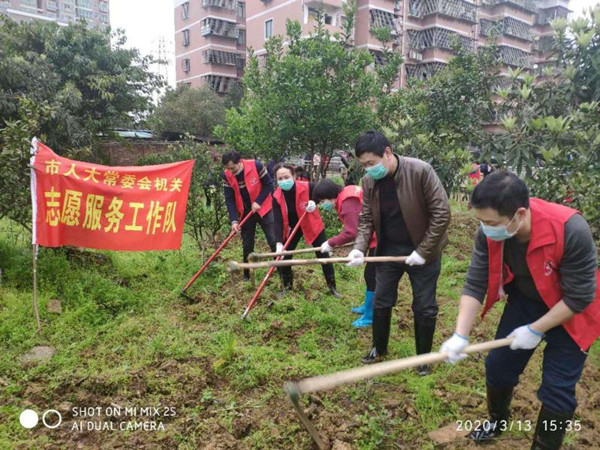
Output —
(415, 55)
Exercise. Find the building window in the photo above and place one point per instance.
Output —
(87, 4)
(268, 28)
(241, 10)
(84, 14)
(185, 10)
(241, 37)
(103, 6)
(186, 38)
(185, 65)
(104, 18)
(51, 5)
(29, 3)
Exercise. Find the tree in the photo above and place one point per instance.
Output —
(552, 132)
(89, 84)
(187, 110)
(67, 86)
(314, 96)
(438, 120)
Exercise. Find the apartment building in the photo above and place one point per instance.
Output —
(423, 30)
(210, 42)
(95, 12)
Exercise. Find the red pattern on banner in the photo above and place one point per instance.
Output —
(111, 208)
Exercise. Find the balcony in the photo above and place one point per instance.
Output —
(507, 26)
(527, 5)
(223, 4)
(224, 58)
(459, 9)
(514, 57)
(328, 4)
(423, 71)
(219, 83)
(548, 15)
(219, 27)
(384, 19)
(438, 38)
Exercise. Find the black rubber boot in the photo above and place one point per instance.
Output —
(550, 429)
(382, 318)
(498, 401)
(332, 287)
(424, 331)
(246, 275)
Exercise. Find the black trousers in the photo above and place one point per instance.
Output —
(328, 271)
(423, 280)
(267, 223)
(370, 273)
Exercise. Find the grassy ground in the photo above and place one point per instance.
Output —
(125, 338)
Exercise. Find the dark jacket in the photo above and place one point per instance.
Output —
(424, 206)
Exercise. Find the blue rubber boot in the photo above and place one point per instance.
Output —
(366, 320)
(361, 309)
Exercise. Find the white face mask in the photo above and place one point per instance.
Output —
(500, 232)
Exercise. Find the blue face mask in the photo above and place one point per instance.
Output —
(286, 185)
(499, 233)
(326, 206)
(377, 172)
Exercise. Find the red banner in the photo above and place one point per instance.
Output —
(112, 208)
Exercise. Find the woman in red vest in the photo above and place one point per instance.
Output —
(247, 187)
(347, 201)
(543, 256)
(291, 199)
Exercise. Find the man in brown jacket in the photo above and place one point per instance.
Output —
(405, 203)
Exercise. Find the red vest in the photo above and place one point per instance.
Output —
(352, 192)
(312, 225)
(253, 185)
(544, 255)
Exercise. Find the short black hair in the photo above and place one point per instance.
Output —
(326, 190)
(232, 156)
(371, 142)
(503, 191)
(283, 166)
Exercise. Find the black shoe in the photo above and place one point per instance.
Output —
(498, 402)
(284, 291)
(333, 291)
(423, 370)
(373, 357)
(332, 287)
(488, 430)
(550, 429)
(424, 331)
(246, 275)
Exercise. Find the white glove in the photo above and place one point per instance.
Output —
(415, 259)
(356, 258)
(525, 338)
(453, 348)
(279, 247)
(326, 248)
(311, 206)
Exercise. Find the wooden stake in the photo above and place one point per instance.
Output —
(35, 305)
